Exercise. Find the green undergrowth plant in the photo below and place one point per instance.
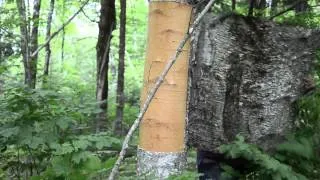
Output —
(44, 135)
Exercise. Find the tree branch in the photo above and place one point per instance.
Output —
(91, 20)
(60, 29)
(291, 7)
(153, 91)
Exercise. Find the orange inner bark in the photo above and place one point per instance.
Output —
(162, 128)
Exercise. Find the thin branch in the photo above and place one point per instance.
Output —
(291, 7)
(10, 33)
(89, 18)
(48, 48)
(153, 91)
(60, 29)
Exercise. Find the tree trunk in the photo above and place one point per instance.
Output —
(24, 37)
(48, 49)
(30, 62)
(161, 147)
(106, 26)
(32, 72)
(246, 75)
(233, 5)
(274, 6)
(301, 7)
(63, 33)
(121, 69)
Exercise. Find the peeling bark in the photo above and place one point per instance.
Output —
(246, 75)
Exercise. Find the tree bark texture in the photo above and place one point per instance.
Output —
(24, 36)
(29, 41)
(32, 72)
(246, 75)
(63, 33)
(107, 24)
(121, 70)
(162, 129)
(48, 49)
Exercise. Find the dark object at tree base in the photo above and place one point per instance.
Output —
(209, 165)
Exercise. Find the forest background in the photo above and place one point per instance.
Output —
(49, 132)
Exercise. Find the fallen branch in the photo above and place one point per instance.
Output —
(153, 91)
(291, 7)
(60, 29)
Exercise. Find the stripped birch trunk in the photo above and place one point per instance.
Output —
(162, 144)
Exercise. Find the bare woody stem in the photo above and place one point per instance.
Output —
(291, 7)
(153, 91)
(60, 29)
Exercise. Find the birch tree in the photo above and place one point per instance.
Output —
(161, 147)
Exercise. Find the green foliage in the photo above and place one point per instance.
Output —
(41, 125)
(186, 175)
(266, 167)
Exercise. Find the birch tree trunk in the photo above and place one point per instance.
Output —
(162, 144)
(121, 69)
(106, 26)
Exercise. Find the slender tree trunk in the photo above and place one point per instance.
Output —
(233, 5)
(63, 33)
(106, 26)
(251, 6)
(30, 63)
(34, 44)
(261, 6)
(121, 69)
(24, 36)
(274, 5)
(161, 147)
(48, 49)
(301, 7)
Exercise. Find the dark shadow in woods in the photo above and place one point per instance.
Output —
(209, 165)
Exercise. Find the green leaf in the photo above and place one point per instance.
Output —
(81, 144)
(80, 156)
(63, 123)
(110, 162)
(61, 166)
(93, 163)
(8, 132)
(65, 148)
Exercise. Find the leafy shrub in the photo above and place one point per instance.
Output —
(41, 134)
